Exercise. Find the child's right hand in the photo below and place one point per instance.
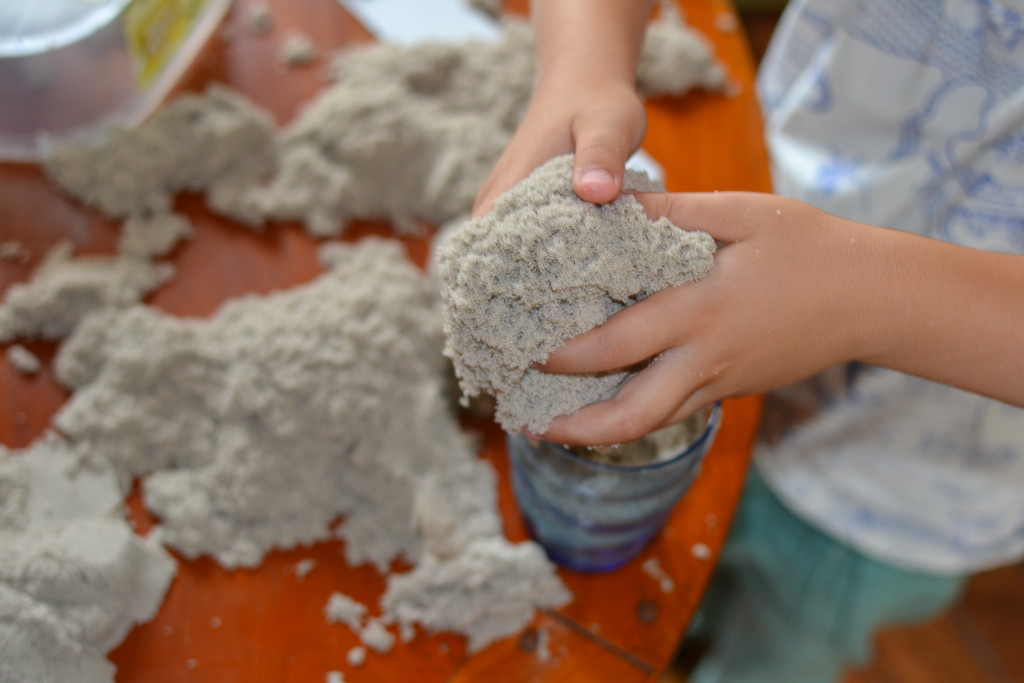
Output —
(603, 122)
(584, 100)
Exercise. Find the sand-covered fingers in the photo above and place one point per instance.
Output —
(633, 335)
(645, 403)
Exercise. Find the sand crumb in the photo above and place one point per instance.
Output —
(543, 650)
(302, 568)
(13, 251)
(676, 59)
(259, 19)
(652, 567)
(297, 49)
(376, 637)
(153, 236)
(218, 142)
(356, 656)
(342, 609)
(23, 360)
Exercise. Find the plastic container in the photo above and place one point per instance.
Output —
(593, 517)
(70, 67)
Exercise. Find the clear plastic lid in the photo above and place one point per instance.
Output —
(73, 67)
(28, 28)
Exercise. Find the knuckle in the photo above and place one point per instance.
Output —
(661, 203)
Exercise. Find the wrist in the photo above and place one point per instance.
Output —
(584, 41)
(579, 89)
(580, 71)
(878, 267)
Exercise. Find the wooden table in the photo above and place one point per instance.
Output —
(267, 624)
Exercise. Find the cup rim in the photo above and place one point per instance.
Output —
(708, 431)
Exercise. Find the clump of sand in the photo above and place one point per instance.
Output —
(153, 236)
(63, 290)
(407, 134)
(545, 266)
(259, 427)
(23, 360)
(444, 595)
(74, 577)
(217, 143)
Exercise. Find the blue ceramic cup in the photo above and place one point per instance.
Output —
(593, 516)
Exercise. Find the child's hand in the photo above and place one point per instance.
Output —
(603, 123)
(783, 301)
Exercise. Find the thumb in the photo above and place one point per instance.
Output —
(603, 145)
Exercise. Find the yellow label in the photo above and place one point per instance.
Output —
(155, 30)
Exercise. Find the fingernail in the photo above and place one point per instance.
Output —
(596, 177)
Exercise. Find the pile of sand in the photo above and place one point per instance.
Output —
(74, 577)
(406, 134)
(259, 427)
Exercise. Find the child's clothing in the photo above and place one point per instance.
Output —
(791, 605)
(907, 114)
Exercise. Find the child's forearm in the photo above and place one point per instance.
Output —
(795, 290)
(950, 313)
(584, 100)
(589, 40)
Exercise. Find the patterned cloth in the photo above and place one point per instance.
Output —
(907, 114)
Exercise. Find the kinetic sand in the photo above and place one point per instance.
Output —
(544, 266)
(407, 134)
(210, 412)
(74, 577)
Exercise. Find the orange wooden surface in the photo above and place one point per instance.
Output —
(267, 624)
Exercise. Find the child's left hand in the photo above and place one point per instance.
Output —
(784, 300)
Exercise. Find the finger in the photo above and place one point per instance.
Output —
(517, 162)
(484, 202)
(502, 178)
(702, 397)
(726, 216)
(604, 142)
(640, 406)
(631, 336)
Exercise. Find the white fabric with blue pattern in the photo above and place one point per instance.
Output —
(907, 114)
